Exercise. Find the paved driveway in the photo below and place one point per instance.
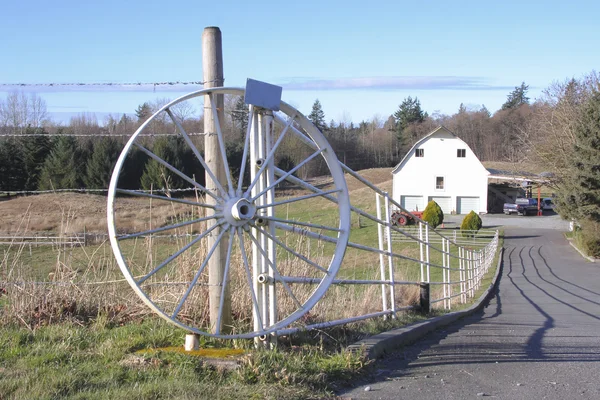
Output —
(546, 221)
(539, 338)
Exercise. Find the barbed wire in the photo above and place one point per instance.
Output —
(83, 190)
(97, 134)
(165, 83)
(82, 283)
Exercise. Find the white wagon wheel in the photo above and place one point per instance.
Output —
(246, 218)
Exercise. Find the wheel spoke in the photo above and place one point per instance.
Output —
(224, 282)
(176, 254)
(300, 198)
(197, 276)
(249, 124)
(190, 144)
(290, 221)
(168, 227)
(290, 172)
(249, 277)
(175, 170)
(276, 271)
(300, 256)
(270, 155)
(153, 196)
(221, 143)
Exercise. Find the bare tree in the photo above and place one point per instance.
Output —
(85, 124)
(552, 137)
(19, 111)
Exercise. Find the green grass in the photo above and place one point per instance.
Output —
(100, 362)
(95, 359)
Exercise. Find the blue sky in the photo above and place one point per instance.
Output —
(358, 58)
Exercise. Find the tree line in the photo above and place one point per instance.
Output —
(559, 132)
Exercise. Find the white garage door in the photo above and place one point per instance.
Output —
(412, 203)
(465, 205)
(443, 202)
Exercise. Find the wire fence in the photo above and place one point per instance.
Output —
(444, 263)
(112, 85)
(93, 135)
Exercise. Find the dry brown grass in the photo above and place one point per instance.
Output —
(97, 288)
(82, 295)
(76, 212)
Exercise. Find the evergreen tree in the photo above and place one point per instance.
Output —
(240, 116)
(158, 176)
(317, 116)
(133, 169)
(583, 191)
(143, 112)
(101, 163)
(433, 214)
(12, 171)
(485, 111)
(34, 150)
(408, 112)
(517, 97)
(60, 170)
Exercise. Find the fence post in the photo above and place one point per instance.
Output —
(212, 66)
(461, 273)
(390, 258)
(444, 286)
(427, 249)
(470, 272)
(421, 250)
(381, 248)
(424, 298)
(449, 280)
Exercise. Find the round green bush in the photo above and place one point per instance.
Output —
(471, 222)
(433, 214)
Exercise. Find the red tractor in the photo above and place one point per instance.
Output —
(401, 218)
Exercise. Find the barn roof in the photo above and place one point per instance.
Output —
(423, 139)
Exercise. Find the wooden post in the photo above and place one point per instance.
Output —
(424, 298)
(212, 66)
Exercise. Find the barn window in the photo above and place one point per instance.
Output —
(461, 153)
(439, 183)
(419, 153)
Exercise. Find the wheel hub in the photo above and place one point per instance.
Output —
(238, 211)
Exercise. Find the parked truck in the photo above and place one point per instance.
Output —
(521, 206)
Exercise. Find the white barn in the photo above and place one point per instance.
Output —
(443, 168)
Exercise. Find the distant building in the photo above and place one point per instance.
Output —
(443, 168)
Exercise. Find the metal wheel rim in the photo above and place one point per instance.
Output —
(343, 206)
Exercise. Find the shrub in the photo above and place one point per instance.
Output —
(433, 214)
(470, 224)
(590, 238)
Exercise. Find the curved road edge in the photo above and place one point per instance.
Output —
(378, 345)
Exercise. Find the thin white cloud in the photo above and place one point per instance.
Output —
(393, 83)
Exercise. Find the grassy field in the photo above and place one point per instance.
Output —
(114, 362)
(103, 360)
(84, 334)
